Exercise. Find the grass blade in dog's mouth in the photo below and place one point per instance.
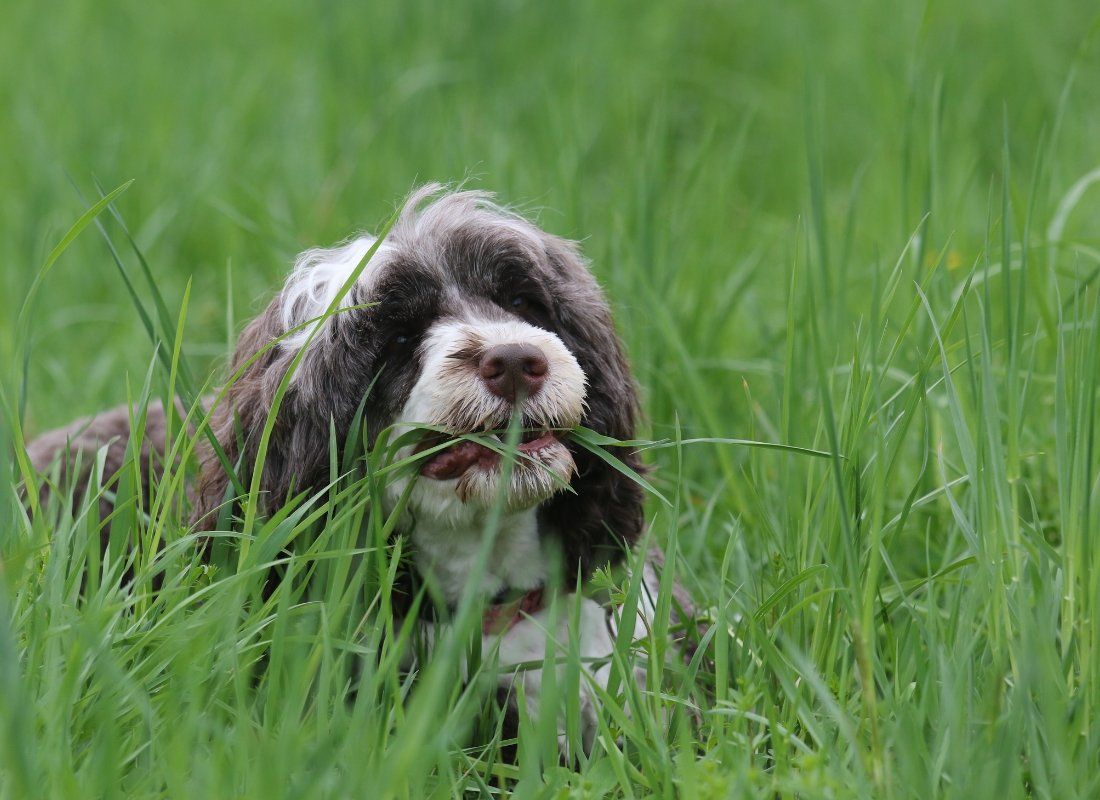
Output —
(456, 459)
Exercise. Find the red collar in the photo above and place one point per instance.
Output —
(500, 617)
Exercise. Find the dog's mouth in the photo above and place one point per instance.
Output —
(459, 458)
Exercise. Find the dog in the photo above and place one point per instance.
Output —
(465, 317)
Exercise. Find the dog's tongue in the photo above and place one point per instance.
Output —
(455, 460)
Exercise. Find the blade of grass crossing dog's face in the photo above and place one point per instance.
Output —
(252, 504)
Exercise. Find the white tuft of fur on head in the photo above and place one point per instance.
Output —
(318, 276)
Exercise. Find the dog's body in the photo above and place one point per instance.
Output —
(465, 316)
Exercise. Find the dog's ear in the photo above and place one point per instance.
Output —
(298, 447)
(604, 515)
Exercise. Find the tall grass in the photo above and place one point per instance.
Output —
(865, 235)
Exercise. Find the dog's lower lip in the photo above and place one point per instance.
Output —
(455, 460)
(545, 439)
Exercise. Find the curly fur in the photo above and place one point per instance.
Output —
(456, 279)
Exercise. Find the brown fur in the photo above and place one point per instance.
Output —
(74, 448)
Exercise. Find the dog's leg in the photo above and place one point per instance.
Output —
(525, 644)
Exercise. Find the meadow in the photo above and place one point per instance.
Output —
(851, 250)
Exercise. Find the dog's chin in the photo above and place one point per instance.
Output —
(542, 467)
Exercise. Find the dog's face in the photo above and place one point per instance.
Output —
(458, 324)
(478, 367)
(463, 316)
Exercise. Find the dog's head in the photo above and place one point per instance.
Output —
(463, 313)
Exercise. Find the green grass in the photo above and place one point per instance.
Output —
(854, 229)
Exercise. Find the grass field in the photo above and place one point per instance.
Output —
(860, 229)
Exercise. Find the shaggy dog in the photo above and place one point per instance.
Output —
(465, 317)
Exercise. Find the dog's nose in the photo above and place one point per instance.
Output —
(511, 369)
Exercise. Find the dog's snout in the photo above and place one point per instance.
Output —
(511, 369)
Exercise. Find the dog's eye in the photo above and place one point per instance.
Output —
(526, 306)
(399, 343)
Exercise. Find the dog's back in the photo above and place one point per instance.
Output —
(74, 449)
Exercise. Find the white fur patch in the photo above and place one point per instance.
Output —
(447, 550)
(317, 278)
(448, 394)
(526, 642)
